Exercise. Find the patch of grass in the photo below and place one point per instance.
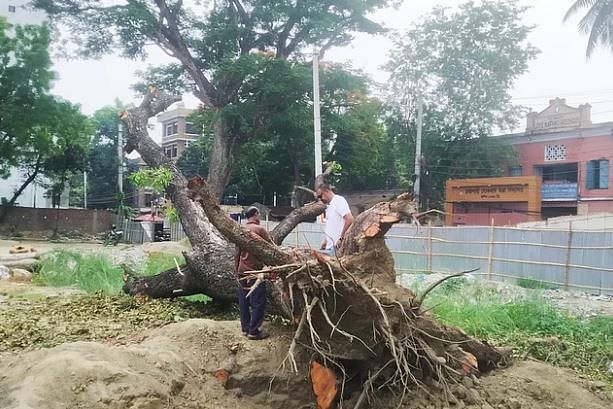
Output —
(533, 327)
(197, 298)
(158, 262)
(95, 272)
(89, 272)
(533, 284)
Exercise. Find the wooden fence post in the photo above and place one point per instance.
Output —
(490, 251)
(568, 251)
(430, 248)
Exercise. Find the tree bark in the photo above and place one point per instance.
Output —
(222, 156)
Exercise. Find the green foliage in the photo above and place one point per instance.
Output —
(530, 325)
(464, 64)
(597, 22)
(156, 178)
(39, 133)
(103, 160)
(88, 272)
(123, 209)
(234, 54)
(171, 213)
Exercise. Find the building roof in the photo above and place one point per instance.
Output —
(601, 129)
(176, 112)
(148, 218)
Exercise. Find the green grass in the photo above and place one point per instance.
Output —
(95, 273)
(158, 262)
(89, 272)
(533, 284)
(530, 325)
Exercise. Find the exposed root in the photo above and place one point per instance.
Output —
(432, 286)
(345, 319)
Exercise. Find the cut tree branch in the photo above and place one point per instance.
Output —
(296, 217)
(267, 253)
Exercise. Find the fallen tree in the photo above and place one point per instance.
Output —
(358, 324)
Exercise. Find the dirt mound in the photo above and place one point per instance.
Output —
(178, 366)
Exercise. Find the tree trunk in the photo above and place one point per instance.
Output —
(4, 209)
(222, 156)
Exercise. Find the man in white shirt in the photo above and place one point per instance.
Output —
(338, 218)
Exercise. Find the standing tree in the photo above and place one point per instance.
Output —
(40, 135)
(597, 22)
(214, 46)
(103, 160)
(463, 63)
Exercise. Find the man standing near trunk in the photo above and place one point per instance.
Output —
(252, 308)
(338, 218)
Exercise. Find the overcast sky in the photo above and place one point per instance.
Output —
(560, 70)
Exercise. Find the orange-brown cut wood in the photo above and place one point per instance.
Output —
(323, 381)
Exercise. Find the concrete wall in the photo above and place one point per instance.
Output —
(83, 220)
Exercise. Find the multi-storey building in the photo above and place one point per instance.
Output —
(177, 131)
(19, 12)
(570, 154)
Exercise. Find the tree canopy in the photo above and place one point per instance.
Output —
(39, 133)
(463, 64)
(217, 47)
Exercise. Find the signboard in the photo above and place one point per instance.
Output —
(512, 190)
(559, 120)
(491, 193)
(559, 191)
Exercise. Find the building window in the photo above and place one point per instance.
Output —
(555, 152)
(190, 129)
(172, 128)
(171, 151)
(597, 174)
(12, 9)
(516, 171)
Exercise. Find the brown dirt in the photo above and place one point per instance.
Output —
(175, 367)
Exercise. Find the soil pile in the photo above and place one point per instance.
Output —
(208, 364)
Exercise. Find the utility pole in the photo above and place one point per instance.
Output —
(316, 113)
(85, 189)
(420, 113)
(120, 155)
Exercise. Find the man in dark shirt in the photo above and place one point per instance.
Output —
(251, 308)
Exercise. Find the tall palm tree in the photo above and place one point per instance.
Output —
(597, 22)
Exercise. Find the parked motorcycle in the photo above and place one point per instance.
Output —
(113, 237)
(160, 235)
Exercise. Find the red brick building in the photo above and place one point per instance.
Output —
(572, 155)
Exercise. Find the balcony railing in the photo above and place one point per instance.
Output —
(559, 191)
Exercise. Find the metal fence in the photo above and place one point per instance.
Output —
(133, 232)
(570, 259)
